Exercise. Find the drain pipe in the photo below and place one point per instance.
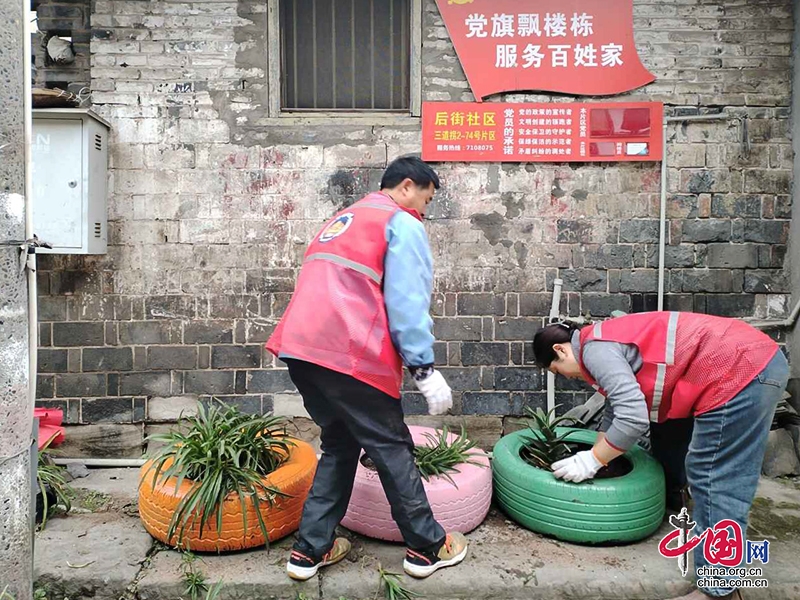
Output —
(662, 224)
(33, 334)
(774, 324)
(551, 379)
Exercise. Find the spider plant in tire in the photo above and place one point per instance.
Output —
(223, 452)
(545, 446)
(439, 457)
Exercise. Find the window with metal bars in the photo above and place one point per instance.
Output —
(345, 55)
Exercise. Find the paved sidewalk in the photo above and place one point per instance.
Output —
(106, 554)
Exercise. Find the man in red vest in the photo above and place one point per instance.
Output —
(360, 310)
(661, 366)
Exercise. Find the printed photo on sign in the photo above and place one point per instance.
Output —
(337, 228)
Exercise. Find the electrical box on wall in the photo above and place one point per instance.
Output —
(70, 175)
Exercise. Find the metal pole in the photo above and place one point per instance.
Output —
(662, 220)
(554, 309)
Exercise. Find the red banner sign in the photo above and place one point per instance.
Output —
(569, 46)
(563, 132)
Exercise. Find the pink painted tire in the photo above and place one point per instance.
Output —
(456, 509)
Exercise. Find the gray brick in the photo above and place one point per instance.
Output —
(208, 332)
(481, 304)
(209, 382)
(538, 304)
(414, 403)
(107, 410)
(516, 353)
(80, 385)
(45, 386)
(735, 205)
(249, 405)
(532, 400)
(107, 359)
(486, 403)
(145, 384)
(674, 256)
(706, 280)
(706, 230)
(767, 232)
(518, 378)
(226, 357)
(172, 357)
(638, 230)
(52, 361)
(732, 256)
(461, 328)
(78, 334)
(607, 256)
(460, 379)
(783, 207)
(730, 305)
(768, 181)
(270, 381)
(679, 302)
(767, 282)
(516, 329)
(574, 232)
(144, 332)
(602, 305)
(52, 308)
(639, 280)
(485, 353)
(169, 307)
(232, 307)
(584, 280)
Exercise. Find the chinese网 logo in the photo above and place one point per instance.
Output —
(724, 549)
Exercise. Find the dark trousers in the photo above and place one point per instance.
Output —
(669, 442)
(352, 416)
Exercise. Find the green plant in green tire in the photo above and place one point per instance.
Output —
(545, 446)
(617, 509)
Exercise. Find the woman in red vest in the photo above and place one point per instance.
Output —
(655, 367)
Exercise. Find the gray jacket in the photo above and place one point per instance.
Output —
(614, 367)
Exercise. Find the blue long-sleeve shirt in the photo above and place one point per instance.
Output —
(407, 288)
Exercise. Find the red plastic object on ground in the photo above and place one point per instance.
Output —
(51, 433)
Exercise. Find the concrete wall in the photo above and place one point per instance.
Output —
(212, 203)
(16, 560)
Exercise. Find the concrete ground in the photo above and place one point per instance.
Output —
(101, 551)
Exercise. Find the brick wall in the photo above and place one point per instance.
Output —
(68, 19)
(212, 203)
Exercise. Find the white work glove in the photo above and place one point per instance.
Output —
(579, 467)
(436, 392)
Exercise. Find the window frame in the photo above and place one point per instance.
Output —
(414, 111)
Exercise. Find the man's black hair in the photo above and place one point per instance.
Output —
(409, 167)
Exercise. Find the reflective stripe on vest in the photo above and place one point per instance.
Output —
(346, 262)
(661, 369)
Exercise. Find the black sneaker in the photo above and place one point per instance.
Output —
(421, 564)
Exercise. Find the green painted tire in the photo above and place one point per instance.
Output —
(618, 510)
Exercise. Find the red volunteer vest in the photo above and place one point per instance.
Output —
(692, 363)
(337, 316)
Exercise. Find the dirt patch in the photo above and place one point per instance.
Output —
(779, 520)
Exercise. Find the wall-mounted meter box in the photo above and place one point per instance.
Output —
(70, 180)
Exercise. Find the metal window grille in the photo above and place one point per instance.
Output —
(345, 55)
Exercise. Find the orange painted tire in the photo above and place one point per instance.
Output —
(294, 477)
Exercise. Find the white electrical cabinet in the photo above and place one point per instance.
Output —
(70, 175)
